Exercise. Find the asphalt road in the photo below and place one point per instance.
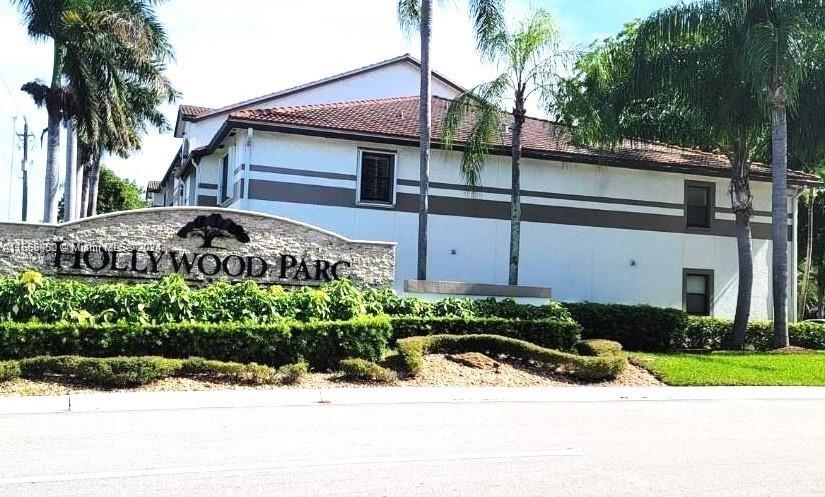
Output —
(650, 448)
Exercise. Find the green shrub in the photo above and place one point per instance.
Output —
(362, 370)
(322, 344)
(714, 333)
(292, 373)
(254, 373)
(598, 347)
(107, 372)
(636, 327)
(412, 351)
(510, 309)
(559, 334)
(9, 370)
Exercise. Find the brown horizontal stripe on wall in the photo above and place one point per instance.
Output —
(208, 186)
(207, 201)
(728, 210)
(301, 194)
(301, 172)
(493, 209)
(538, 194)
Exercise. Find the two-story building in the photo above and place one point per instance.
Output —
(638, 224)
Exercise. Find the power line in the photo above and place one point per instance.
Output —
(11, 95)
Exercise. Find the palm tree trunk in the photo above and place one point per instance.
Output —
(515, 191)
(94, 181)
(424, 130)
(84, 194)
(69, 185)
(53, 106)
(742, 204)
(779, 224)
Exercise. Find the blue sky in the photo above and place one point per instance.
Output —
(231, 51)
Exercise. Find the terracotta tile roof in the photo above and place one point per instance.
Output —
(193, 110)
(398, 118)
(153, 186)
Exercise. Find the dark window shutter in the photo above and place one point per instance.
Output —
(224, 178)
(377, 177)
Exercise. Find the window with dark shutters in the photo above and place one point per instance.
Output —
(377, 176)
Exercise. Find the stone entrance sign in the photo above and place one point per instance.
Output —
(201, 244)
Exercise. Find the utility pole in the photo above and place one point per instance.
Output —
(25, 166)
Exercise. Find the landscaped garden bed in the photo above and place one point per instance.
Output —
(346, 336)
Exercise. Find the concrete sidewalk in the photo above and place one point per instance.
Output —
(137, 401)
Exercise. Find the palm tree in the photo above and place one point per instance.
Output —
(487, 17)
(781, 39)
(104, 49)
(44, 20)
(529, 58)
(678, 77)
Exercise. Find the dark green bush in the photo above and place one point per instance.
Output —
(362, 370)
(636, 327)
(559, 334)
(598, 347)
(292, 373)
(254, 373)
(714, 333)
(322, 344)
(412, 351)
(9, 370)
(113, 372)
(108, 372)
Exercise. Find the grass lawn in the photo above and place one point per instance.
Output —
(735, 368)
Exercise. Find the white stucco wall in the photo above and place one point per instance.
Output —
(579, 263)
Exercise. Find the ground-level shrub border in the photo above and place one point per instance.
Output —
(116, 372)
(363, 370)
(413, 349)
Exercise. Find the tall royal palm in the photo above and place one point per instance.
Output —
(487, 18)
(529, 59)
(678, 77)
(783, 36)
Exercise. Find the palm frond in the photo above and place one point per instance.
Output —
(409, 15)
(480, 109)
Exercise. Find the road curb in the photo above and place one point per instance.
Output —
(137, 401)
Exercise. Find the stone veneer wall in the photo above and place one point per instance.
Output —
(32, 246)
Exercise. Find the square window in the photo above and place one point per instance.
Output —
(698, 206)
(376, 178)
(697, 288)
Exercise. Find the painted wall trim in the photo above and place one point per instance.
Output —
(475, 289)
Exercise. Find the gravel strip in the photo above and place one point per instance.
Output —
(437, 372)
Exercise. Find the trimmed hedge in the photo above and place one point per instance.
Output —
(636, 327)
(713, 333)
(413, 349)
(362, 370)
(561, 334)
(113, 372)
(598, 347)
(322, 344)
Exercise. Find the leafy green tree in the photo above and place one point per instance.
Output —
(116, 194)
(677, 77)
(414, 15)
(529, 58)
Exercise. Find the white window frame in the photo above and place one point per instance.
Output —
(394, 185)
